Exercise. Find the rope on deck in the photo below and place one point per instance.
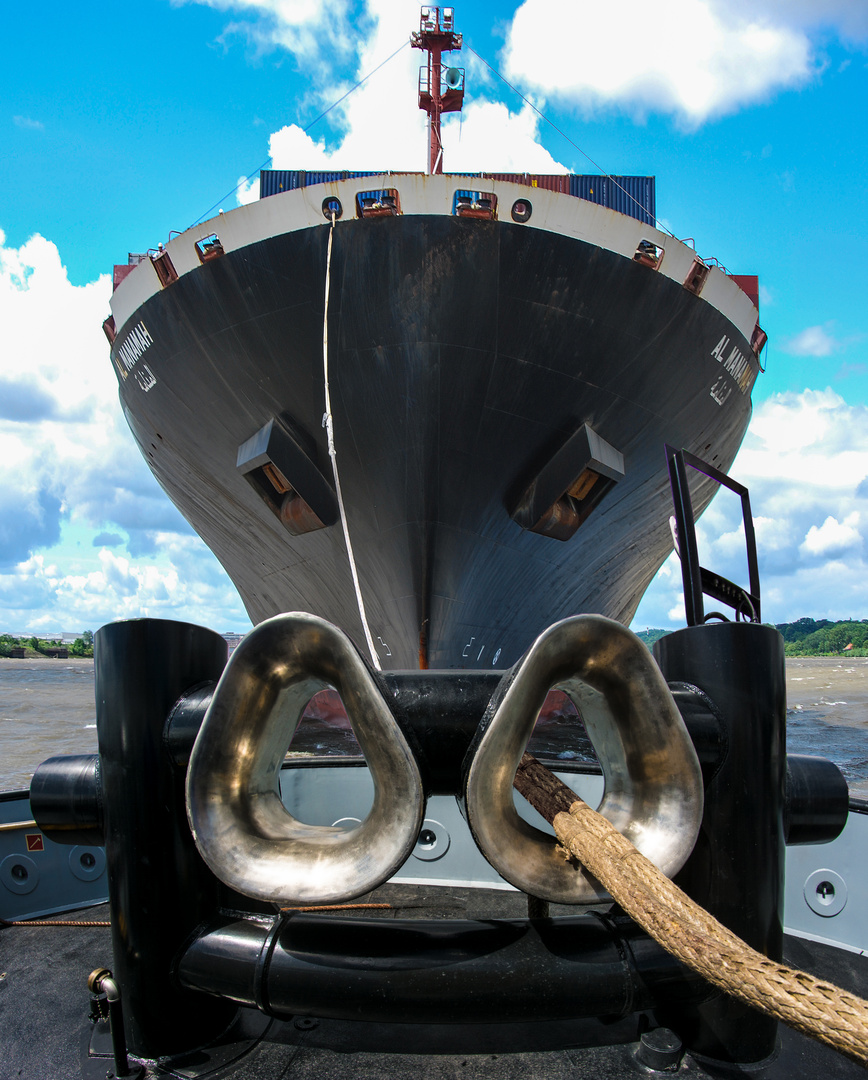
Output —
(51, 922)
(80, 922)
(812, 1006)
(340, 907)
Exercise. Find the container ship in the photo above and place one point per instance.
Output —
(433, 427)
(505, 358)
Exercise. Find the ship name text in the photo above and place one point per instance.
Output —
(734, 363)
(134, 344)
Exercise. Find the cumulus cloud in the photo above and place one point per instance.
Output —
(247, 191)
(690, 58)
(86, 534)
(493, 138)
(812, 341)
(28, 519)
(693, 59)
(833, 537)
(107, 539)
(24, 403)
(64, 593)
(380, 125)
(28, 123)
(488, 136)
(303, 27)
(848, 19)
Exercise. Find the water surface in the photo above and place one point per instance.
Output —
(47, 708)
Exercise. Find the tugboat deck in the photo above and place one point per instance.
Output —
(44, 1004)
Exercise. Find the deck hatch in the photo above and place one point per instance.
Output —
(164, 266)
(697, 276)
(287, 479)
(475, 204)
(382, 203)
(570, 485)
(648, 253)
(758, 339)
(209, 247)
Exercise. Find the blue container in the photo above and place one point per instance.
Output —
(632, 195)
(273, 181)
(322, 177)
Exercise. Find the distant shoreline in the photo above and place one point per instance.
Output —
(44, 661)
(805, 674)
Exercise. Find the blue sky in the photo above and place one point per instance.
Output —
(120, 123)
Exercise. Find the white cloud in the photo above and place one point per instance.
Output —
(248, 190)
(488, 136)
(846, 18)
(800, 431)
(304, 27)
(833, 537)
(67, 593)
(380, 123)
(694, 59)
(812, 341)
(491, 138)
(28, 123)
(73, 472)
(382, 126)
(690, 58)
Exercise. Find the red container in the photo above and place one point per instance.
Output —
(748, 283)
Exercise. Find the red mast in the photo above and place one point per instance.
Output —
(439, 91)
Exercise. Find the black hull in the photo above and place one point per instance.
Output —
(463, 355)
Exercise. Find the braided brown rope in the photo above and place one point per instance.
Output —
(688, 932)
(340, 907)
(51, 922)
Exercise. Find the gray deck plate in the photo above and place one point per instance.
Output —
(44, 1003)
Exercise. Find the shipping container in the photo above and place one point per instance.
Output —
(632, 195)
(559, 182)
(551, 182)
(273, 181)
(121, 270)
(748, 283)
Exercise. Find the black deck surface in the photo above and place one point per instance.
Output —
(44, 1029)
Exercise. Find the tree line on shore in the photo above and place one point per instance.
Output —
(809, 637)
(35, 647)
(804, 637)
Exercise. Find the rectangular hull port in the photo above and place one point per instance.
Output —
(287, 478)
(570, 485)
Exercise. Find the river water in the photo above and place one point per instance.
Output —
(47, 708)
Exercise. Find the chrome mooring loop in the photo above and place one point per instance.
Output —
(241, 828)
(653, 785)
